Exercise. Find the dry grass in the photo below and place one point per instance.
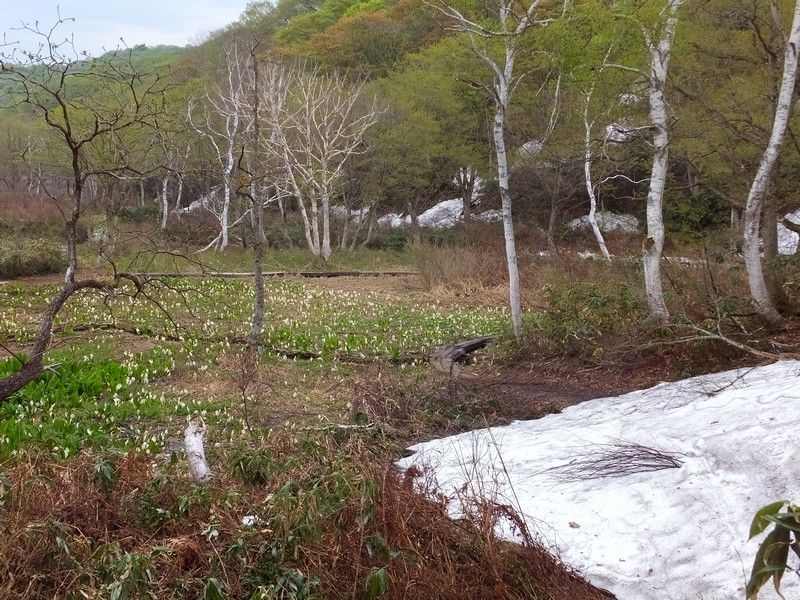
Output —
(69, 531)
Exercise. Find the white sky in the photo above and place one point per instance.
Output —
(99, 24)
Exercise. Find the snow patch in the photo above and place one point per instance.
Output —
(669, 534)
(607, 222)
(394, 220)
(444, 215)
(206, 201)
(356, 215)
(788, 240)
(530, 148)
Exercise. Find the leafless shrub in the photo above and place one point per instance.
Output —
(617, 459)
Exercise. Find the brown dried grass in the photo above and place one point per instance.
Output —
(437, 557)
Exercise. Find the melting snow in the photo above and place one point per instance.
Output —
(607, 222)
(443, 215)
(662, 535)
(788, 240)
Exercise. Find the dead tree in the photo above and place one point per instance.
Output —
(124, 103)
(318, 121)
(224, 122)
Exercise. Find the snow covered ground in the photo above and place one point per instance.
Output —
(662, 535)
(607, 222)
(788, 240)
(444, 215)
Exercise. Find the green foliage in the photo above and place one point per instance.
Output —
(772, 558)
(303, 26)
(146, 213)
(82, 403)
(392, 240)
(582, 312)
(255, 466)
(22, 257)
(377, 583)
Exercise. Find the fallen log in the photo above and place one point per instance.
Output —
(306, 274)
(445, 358)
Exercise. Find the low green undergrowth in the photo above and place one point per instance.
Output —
(87, 403)
(22, 257)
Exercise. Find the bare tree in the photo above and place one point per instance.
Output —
(318, 121)
(759, 290)
(123, 100)
(587, 172)
(507, 32)
(223, 122)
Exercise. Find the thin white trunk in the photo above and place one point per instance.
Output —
(224, 217)
(179, 196)
(587, 171)
(653, 247)
(503, 97)
(759, 290)
(164, 201)
(326, 217)
(195, 454)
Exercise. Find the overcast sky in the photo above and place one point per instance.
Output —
(101, 23)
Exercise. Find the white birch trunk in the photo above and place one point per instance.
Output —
(179, 195)
(587, 171)
(164, 202)
(653, 247)
(503, 97)
(326, 218)
(759, 290)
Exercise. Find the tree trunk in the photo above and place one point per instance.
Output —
(587, 173)
(373, 219)
(179, 195)
(224, 216)
(326, 225)
(416, 238)
(316, 238)
(164, 202)
(769, 236)
(466, 182)
(653, 246)
(195, 454)
(498, 130)
(759, 290)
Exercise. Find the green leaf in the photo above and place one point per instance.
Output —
(377, 583)
(770, 561)
(760, 521)
(214, 590)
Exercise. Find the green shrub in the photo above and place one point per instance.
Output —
(54, 228)
(20, 257)
(584, 312)
(140, 214)
(394, 241)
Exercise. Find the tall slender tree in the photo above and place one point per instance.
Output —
(759, 290)
(505, 31)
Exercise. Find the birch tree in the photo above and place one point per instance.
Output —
(759, 290)
(658, 41)
(659, 51)
(318, 121)
(223, 122)
(588, 159)
(507, 31)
